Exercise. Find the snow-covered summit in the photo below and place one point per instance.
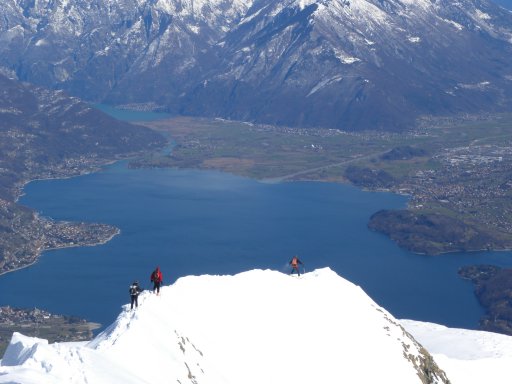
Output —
(254, 327)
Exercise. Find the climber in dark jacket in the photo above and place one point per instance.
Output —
(134, 293)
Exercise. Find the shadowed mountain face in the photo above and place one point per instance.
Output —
(46, 134)
(360, 64)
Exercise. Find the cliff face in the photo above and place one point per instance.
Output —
(361, 64)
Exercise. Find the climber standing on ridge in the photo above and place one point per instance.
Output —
(156, 279)
(134, 293)
(294, 262)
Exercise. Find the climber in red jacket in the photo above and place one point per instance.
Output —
(156, 279)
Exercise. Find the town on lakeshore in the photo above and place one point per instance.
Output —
(40, 323)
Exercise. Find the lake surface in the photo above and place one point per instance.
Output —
(196, 222)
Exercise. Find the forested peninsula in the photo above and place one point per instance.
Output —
(493, 288)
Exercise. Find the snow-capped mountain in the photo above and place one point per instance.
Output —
(254, 327)
(367, 64)
(351, 64)
(97, 49)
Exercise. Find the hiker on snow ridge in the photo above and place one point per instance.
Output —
(156, 279)
(134, 293)
(294, 262)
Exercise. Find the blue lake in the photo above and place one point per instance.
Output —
(195, 222)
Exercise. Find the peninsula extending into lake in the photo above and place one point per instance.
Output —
(457, 172)
(493, 287)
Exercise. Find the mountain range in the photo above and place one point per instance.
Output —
(349, 64)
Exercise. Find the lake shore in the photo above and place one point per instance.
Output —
(405, 164)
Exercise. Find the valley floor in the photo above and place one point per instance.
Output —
(454, 170)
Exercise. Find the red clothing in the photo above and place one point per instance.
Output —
(156, 276)
(294, 262)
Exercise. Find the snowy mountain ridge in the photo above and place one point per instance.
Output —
(358, 64)
(254, 327)
(263, 326)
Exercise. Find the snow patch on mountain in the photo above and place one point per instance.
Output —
(344, 58)
(324, 83)
(41, 42)
(418, 3)
(482, 15)
(251, 16)
(199, 8)
(481, 86)
(364, 11)
(455, 24)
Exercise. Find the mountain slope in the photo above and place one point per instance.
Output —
(255, 327)
(97, 48)
(47, 134)
(365, 64)
(359, 64)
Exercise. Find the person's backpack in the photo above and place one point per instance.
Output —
(133, 290)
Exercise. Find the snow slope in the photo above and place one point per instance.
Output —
(254, 327)
(467, 357)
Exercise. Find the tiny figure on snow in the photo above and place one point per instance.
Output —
(294, 262)
(134, 293)
(156, 279)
